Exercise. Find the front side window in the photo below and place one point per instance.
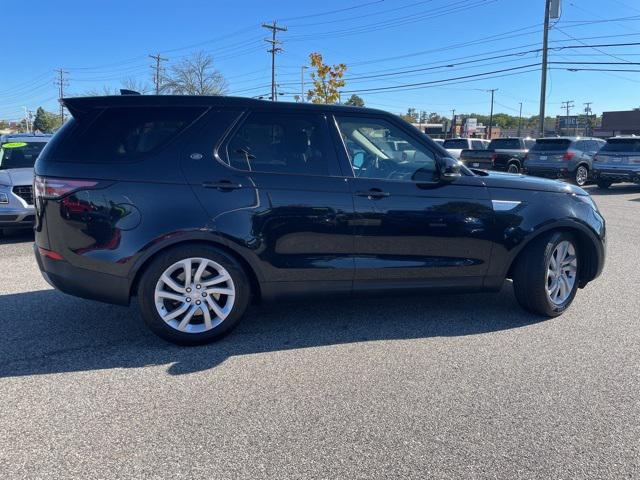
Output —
(19, 154)
(281, 143)
(372, 148)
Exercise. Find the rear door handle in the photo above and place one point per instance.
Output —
(222, 185)
(374, 193)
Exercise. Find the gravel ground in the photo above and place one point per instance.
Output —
(461, 386)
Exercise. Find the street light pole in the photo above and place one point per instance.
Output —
(491, 114)
(302, 69)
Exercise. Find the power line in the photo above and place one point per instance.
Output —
(273, 50)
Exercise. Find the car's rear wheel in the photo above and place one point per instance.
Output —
(513, 168)
(194, 294)
(604, 184)
(582, 175)
(545, 278)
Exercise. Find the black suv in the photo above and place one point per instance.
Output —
(197, 205)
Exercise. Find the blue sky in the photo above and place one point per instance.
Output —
(102, 42)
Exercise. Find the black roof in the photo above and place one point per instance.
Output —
(79, 105)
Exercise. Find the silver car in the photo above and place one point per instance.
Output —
(18, 153)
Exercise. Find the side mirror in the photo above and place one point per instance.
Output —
(450, 169)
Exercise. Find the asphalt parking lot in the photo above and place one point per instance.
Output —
(461, 386)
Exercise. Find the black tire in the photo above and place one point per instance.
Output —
(513, 167)
(604, 184)
(578, 178)
(530, 275)
(151, 275)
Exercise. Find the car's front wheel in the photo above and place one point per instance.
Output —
(194, 294)
(545, 278)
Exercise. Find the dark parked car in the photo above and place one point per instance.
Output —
(563, 157)
(503, 154)
(618, 161)
(197, 205)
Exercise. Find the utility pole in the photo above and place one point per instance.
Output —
(587, 111)
(157, 79)
(567, 105)
(27, 117)
(493, 90)
(520, 120)
(453, 122)
(302, 69)
(543, 81)
(273, 50)
(61, 83)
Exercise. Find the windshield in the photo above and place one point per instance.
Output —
(456, 143)
(551, 144)
(622, 145)
(19, 154)
(505, 143)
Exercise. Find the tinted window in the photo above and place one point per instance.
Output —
(528, 143)
(551, 144)
(456, 143)
(369, 143)
(19, 154)
(622, 145)
(281, 143)
(505, 143)
(477, 145)
(124, 134)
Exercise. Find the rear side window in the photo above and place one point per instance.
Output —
(551, 144)
(505, 143)
(477, 145)
(529, 142)
(124, 134)
(622, 145)
(282, 143)
(456, 143)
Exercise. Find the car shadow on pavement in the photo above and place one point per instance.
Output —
(16, 236)
(46, 332)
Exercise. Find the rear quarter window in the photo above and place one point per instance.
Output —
(551, 145)
(123, 134)
(622, 145)
(505, 144)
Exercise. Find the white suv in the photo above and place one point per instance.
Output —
(18, 153)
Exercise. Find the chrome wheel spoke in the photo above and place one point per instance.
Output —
(220, 291)
(171, 283)
(187, 318)
(216, 280)
(170, 296)
(216, 308)
(175, 313)
(201, 269)
(207, 318)
(187, 272)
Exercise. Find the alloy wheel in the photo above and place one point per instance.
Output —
(513, 168)
(581, 175)
(194, 295)
(562, 269)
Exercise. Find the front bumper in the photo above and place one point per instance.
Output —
(20, 217)
(84, 283)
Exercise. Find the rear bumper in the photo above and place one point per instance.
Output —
(617, 174)
(547, 172)
(80, 282)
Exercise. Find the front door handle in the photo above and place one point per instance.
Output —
(373, 194)
(223, 185)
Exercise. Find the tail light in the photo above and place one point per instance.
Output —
(568, 156)
(54, 188)
(49, 254)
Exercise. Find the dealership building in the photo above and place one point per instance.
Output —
(625, 122)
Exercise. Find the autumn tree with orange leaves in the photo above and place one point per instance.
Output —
(327, 80)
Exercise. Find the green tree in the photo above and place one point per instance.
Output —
(45, 122)
(327, 80)
(355, 101)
